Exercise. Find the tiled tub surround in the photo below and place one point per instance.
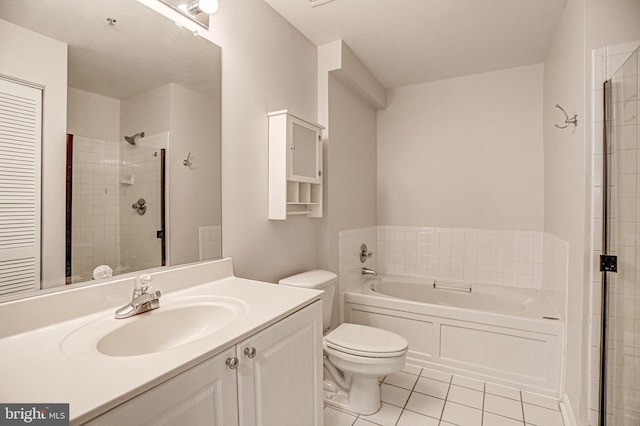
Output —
(430, 398)
(524, 259)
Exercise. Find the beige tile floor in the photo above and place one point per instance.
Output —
(423, 397)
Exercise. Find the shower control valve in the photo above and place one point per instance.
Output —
(140, 206)
(365, 253)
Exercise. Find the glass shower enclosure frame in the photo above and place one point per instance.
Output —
(620, 260)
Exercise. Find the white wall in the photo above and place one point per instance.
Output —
(611, 22)
(32, 57)
(350, 169)
(267, 65)
(194, 194)
(92, 115)
(350, 174)
(470, 151)
(565, 176)
(148, 112)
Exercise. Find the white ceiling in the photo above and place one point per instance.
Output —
(412, 41)
(142, 51)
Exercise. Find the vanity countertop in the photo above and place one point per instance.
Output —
(36, 367)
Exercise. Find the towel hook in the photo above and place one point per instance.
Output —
(187, 162)
(567, 121)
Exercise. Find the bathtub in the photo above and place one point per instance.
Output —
(503, 335)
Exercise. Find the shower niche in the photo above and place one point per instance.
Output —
(295, 166)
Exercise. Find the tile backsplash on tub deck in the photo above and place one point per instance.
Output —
(509, 258)
(512, 258)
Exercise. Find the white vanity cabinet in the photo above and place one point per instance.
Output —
(271, 378)
(295, 166)
(203, 395)
(280, 372)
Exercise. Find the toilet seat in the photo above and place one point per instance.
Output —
(361, 340)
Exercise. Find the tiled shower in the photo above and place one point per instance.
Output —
(108, 177)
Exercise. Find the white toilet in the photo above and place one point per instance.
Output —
(355, 356)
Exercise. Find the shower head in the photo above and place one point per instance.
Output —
(132, 139)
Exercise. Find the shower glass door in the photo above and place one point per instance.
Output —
(620, 363)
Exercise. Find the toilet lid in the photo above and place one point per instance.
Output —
(366, 341)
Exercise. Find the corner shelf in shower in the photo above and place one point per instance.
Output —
(127, 180)
(295, 167)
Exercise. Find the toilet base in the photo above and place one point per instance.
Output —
(362, 397)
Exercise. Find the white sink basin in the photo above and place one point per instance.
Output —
(178, 322)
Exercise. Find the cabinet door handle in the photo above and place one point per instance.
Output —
(250, 352)
(232, 363)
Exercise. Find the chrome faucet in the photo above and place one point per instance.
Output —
(142, 300)
(367, 271)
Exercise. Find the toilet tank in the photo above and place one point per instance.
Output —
(317, 279)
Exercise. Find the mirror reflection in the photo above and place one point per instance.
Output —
(129, 151)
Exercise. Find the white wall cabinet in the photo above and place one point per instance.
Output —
(276, 380)
(295, 166)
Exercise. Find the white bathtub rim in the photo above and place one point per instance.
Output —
(359, 296)
(551, 311)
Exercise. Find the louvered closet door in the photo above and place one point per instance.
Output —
(20, 159)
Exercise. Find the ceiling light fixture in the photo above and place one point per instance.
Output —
(196, 11)
(200, 6)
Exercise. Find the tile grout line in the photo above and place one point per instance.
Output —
(524, 421)
(410, 394)
(484, 395)
(450, 383)
(446, 397)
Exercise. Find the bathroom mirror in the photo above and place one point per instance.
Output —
(141, 151)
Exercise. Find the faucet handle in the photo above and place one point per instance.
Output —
(142, 285)
(154, 303)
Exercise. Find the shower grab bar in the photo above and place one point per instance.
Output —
(438, 286)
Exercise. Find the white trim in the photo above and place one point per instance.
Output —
(21, 150)
(567, 412)
(22, 82)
